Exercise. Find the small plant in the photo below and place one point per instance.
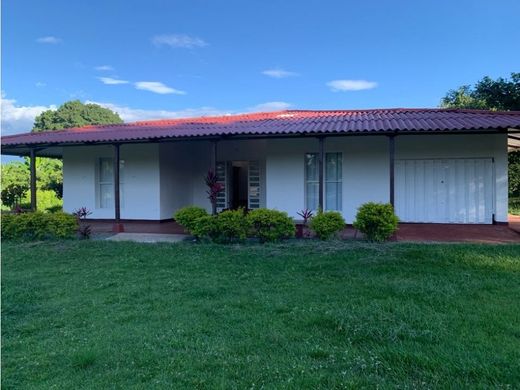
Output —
(84, 230)
(306, 215)
(214, 189)
(270, 225)
(377, 221)
(230, 225)
(327, 224)
(12, 195)
(187, 216)
(205, 227)
(38, 226)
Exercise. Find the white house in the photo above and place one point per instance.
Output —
(434, 165)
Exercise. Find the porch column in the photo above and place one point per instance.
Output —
(391, 154)
(118, 226)
(33, 179)
(321, 157)
(213, 162)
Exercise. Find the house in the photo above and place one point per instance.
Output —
(434, 165)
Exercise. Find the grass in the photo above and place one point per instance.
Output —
(296, 315)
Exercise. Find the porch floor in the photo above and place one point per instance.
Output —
(406, 232)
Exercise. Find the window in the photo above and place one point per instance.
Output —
(106, 182)
(332, 181)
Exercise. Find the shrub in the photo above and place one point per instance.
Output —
(326, 224)
(204, 226)
(229, 225)
(38, 226)
(270, 225)
(377, 221)
(187, 216)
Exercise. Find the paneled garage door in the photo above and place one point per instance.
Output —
(444, 190)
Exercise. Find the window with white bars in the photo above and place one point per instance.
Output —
(254, 185)
(332, 181)
(222, 179)
(106, 182)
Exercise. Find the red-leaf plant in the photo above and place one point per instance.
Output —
(84, 230)
(302, 229)
(214, 189)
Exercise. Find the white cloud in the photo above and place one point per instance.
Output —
(49, 39)
(104, 68)
(178, 40)
(19, 119)
(350, 85)
(112, 81)
(279, 73)
(270, 106)
(129, 114)
(157, 87)
(40, 84)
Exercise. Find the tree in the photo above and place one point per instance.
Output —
(69, 114)
(488, 94)
(75, 114)
(49, 170)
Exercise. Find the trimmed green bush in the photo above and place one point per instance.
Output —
(204, 227)
(187, 216)
(326, 224)
(270, 225)
(229, 226)
(377, 221)
(38, 226)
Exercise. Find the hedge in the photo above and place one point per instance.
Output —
(38, 226)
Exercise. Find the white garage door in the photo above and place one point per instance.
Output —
(444, 190)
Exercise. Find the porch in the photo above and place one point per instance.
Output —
(417, 232)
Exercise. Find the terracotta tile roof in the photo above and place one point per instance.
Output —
(279, 123)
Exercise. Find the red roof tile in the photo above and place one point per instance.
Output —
(281, 122)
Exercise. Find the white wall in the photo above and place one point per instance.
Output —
(365, 172)
(140, 190)
(176, 177)
(463, 146)
(159, 179)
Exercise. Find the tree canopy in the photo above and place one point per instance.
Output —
(488, 94)
(15, 175)
(501, 94)
(75, 114)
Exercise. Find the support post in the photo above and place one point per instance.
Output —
(33, 179)
(391, 154)
(118, 226)
(321, 158)
(214, 156)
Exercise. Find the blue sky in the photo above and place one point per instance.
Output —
(153, 59)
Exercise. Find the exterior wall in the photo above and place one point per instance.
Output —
(463, 146)
(159, 179)
(176, 177)
(365, 172)
(140, 190)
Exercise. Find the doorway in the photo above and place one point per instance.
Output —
(238, 193)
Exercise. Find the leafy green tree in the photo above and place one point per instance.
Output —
(488, 94)
(50, 170)
(75, 114)
(13, 194)
(69, 114)
(514, 174)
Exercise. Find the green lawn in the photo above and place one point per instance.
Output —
(297, 315)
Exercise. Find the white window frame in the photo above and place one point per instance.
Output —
(339, 180)
(110, 182)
